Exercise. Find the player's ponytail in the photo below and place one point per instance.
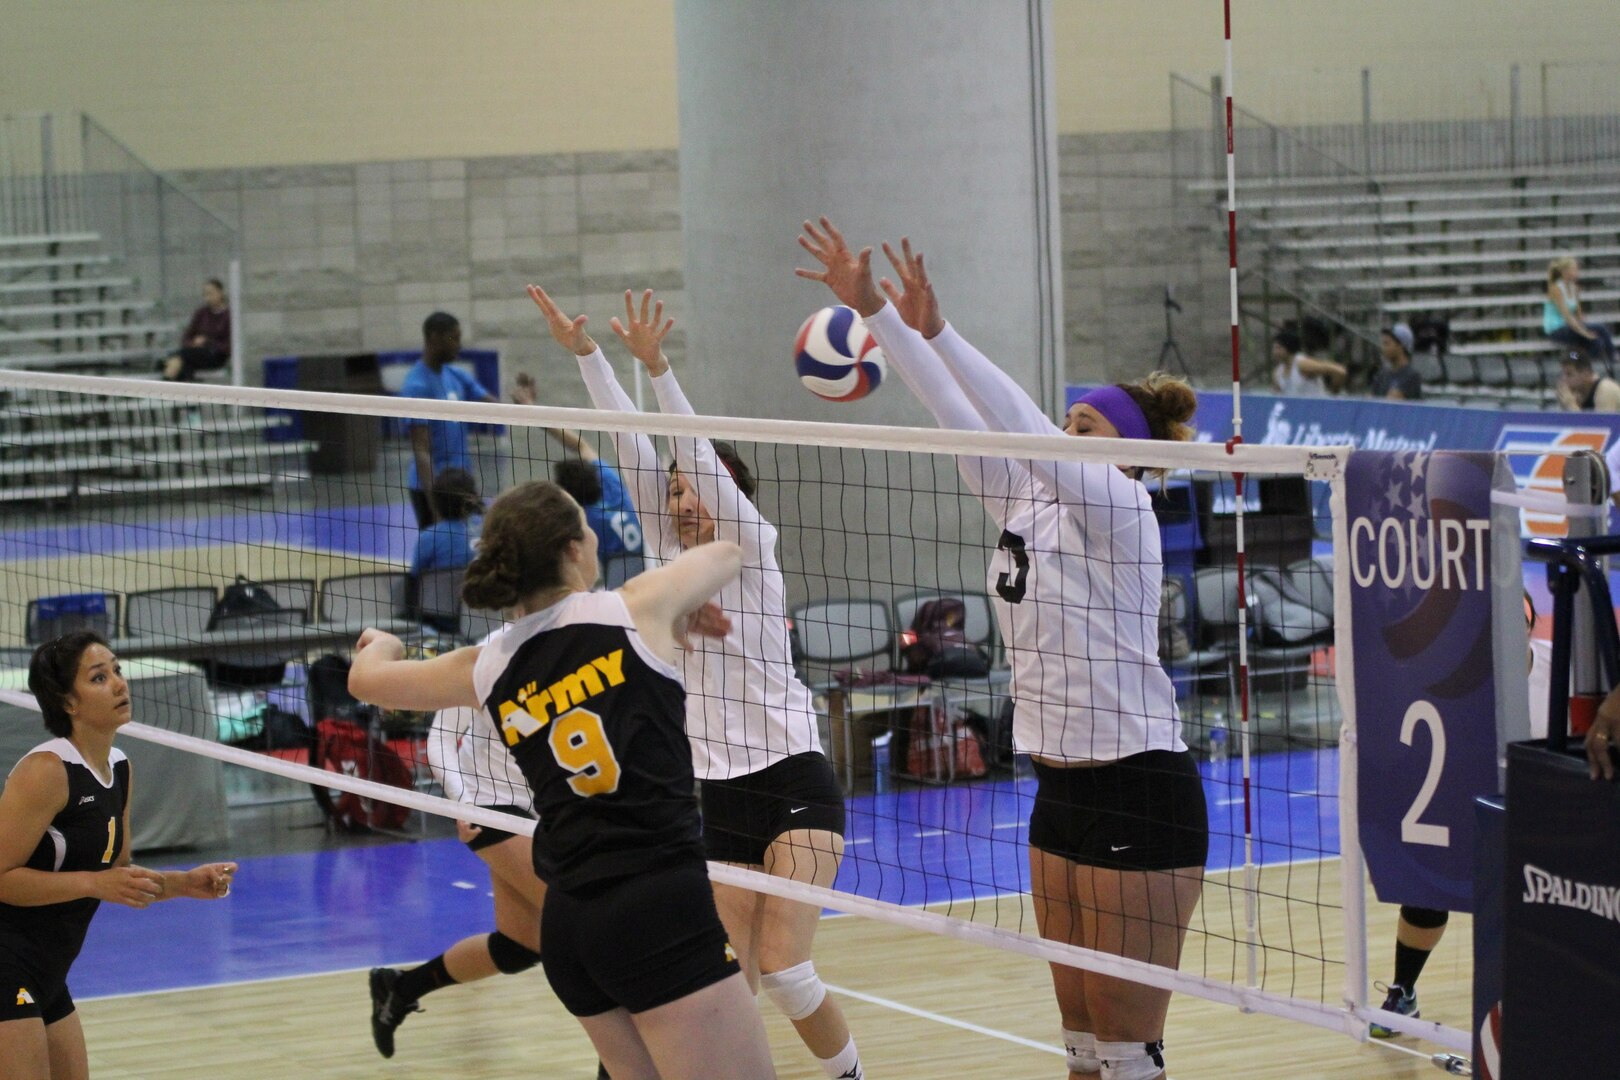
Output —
(1167, 403)
(521, 549)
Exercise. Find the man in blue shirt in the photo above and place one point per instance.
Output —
(597, 487)
(437, 445)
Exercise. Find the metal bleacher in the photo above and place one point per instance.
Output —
(62, 310)
(1469, 250)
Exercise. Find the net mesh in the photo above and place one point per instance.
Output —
(166, 516)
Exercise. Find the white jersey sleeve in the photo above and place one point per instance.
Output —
(1108, 504)
(443, 748)
(993, 480)
(638, 461)
(735, 517)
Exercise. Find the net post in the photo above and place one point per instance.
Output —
(1251, 885)
(1352, 870)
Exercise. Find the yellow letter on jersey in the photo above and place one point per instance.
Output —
(611, 665)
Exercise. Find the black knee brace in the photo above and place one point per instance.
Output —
(509, 956)
(1424, 918)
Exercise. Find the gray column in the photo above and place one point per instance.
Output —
(931, 118)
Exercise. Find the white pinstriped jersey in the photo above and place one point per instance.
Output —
(1075, 578)
(469, 758)
(745, 706)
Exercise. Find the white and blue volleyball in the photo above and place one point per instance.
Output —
(836, 356)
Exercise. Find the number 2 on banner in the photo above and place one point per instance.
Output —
(581, 746)
(1412, 831)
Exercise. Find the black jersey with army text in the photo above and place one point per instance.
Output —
(87, 834)
(597, 724)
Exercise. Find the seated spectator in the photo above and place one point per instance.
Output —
(597, 487)
(447, 544)
(1561, 317)
(1580, 389)
(206, 344)
(1397, 379)
(1298, 374)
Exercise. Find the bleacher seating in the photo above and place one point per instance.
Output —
(1469, 249)
(52, 450)
(64, 306)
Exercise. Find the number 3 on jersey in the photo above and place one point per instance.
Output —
(581, 747)
(1010, 587)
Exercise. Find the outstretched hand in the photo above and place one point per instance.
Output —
(847, 274)
(524, 391)
(917, 305)
(569, 333)
(643, 335)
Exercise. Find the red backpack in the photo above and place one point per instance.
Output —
(942, 748)
(347, 748)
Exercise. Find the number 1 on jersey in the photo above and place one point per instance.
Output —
(112, 839)
(581, 746)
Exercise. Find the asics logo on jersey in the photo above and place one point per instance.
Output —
(534, 708)
(23, 996)
(87, 798)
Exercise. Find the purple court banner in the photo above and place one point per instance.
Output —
(1425, 691)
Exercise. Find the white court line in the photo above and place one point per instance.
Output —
(930, 832)
(948, 1021)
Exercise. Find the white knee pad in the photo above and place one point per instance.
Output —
(1080, 1047)
(796, 991)
(1131, 1060)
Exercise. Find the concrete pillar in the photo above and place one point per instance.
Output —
(932, 118)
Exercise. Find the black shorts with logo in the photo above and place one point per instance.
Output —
(635, 942)
(488, 837)
(742, 815)
(24, 994)
(1143, 812)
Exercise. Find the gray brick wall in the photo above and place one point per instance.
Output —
(352, 257)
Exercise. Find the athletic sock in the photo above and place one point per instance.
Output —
(1408, 966)
(431, 976)
(846, 1065)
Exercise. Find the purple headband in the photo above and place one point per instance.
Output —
(1119, 409)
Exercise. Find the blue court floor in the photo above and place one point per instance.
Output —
(356, 907)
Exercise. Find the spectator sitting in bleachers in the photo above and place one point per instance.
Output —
(447, 544)
(1298, 374)
(1396, 379)
(1561, 318)
(1580, 389)
(206, 344)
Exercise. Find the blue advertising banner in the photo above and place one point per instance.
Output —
(1426, 717)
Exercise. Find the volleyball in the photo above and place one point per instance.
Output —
(836, 357)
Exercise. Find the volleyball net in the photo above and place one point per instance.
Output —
(151, 511)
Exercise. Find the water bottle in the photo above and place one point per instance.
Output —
(1218, 744)
(880, 763)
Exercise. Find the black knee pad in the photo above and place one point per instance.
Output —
(1424, 918)
(509, 956)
